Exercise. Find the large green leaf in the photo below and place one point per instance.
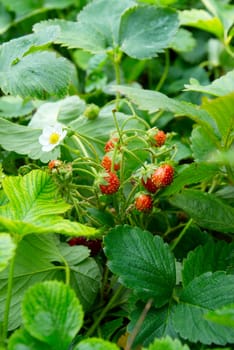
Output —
(33, 263)
(152, 101)
(143, 262)
(35, 206)
(96, 344)
(5, 19)
(97, 27)
(193, 173)
(219, 87)
(37, 75)
(52, 313)
(157, 324)
(7, 250)
(167, 343)
(42, 258)
(209, 257)
(205, 293)
(206, 209)
(203, 147)
(140, 41)
(221, 109)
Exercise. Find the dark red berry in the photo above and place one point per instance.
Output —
(149, 185)
(107, 163)
(160, 138)
(94, 245)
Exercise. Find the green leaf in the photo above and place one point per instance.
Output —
(219, 87)
(183, 41)
(84, 271)
(143, 262)
(152, 101)
(86, 281)
(36, 207)
(5, 19)
(203, 20)
(167, 343)
(209, 257)
(36, 75)
(96, 344)
(52, 313)
(157, 324)
(190, 174)
(162, 25)
(223, 316)
(206, 210)
(24, 140)
(97, 28)
(224, 11)
(21, 339)
(14, 50)
(203, 147)
(221, 109)
(11, 106)
(205, 293)
(7, 250)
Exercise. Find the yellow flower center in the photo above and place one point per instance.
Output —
(54, 138)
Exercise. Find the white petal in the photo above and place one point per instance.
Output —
(43, 140)
(48, 148)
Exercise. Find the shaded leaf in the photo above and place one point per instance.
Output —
(11, 106)
(203, 147)
(206, 209)
(143, 262)
(209, 257)
(52, 313)
(183, 41)
(157, 324)
(206, 292)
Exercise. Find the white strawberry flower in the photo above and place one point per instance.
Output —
(51, 137)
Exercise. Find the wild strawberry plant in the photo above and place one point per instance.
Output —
(116, 174)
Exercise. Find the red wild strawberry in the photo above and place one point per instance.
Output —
(143, 202)
(110, 144)
(54, 163)
(112, 183)
(94, 245)
(107, 163)
(149, 185)
(163, 176)
(160, 138)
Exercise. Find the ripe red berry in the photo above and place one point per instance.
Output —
(149, 185)
(54, 163)
(163, 176)
(160, 138)
(112, 183)
(110, 144)
(107, 163)
(143, 202)
(94, 245)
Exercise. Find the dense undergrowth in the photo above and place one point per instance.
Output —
(116, 175)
